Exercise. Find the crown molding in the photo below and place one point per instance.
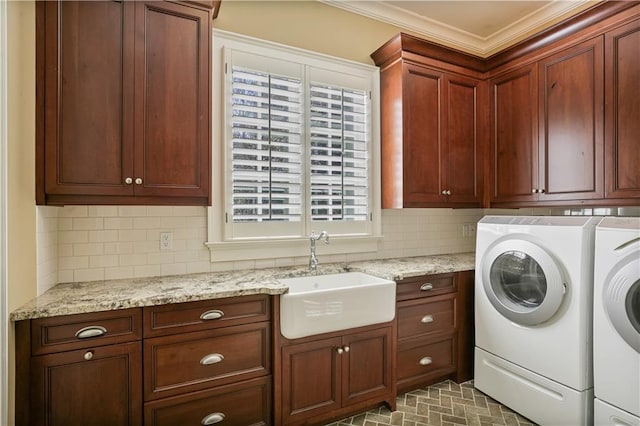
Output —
(456, 38)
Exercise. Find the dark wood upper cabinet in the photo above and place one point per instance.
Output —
(514, 135)
(622, 94)
(547, 128)
(430, 144)
(123, 99)
(571, 121)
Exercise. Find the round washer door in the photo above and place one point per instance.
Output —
(522, 281)
(622, 301)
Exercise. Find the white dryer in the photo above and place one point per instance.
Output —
(616, 326)
(533, 315)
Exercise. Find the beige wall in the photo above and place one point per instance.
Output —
(307, 24)
(21, 229)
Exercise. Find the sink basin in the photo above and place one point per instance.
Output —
(325, 303)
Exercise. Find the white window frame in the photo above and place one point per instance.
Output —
(222, 244)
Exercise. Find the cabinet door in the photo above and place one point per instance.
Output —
(98, 386)
(367, 366)
(172, 96)
(514, 133)
(622, 49)
(311, 381)
(571, 123)
(422, 136)
(461, 161)
(87, 97)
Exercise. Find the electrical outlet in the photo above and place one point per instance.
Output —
(166, 241)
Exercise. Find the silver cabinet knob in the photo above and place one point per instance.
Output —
(541, 191)
(426, 287)
(347, 348)
(448, 192)
(444, 192)
(534, 191)
(340, 351)
(138, 181)
(88, 355)
(128, 181)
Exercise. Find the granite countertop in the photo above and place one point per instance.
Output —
(94, 296)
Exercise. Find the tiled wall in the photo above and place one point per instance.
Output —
(110, 242)
(86, 243)
(47, 247)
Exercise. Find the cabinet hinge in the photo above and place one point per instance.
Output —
(370, 216)
(226, 217)
(225, 67)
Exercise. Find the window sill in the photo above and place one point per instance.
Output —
(294, 247)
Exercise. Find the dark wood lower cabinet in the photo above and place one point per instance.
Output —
(435, 329)
(96, 386)
(335, 375)
(241, 404)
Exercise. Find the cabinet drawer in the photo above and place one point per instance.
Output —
(241, 404)
(425, 316)
(80, 331)
(196, 316)
(425, 286)
(426, 357)
(194, 361)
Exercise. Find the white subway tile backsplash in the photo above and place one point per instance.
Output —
(94, 274)
(88, 249)
(103, 236)
(173, 269)
(147, 271)
(109, 242)
(118, 272)
(102, 211)
(118, 223)
(70, 237)
(103, 261)
(88, 223)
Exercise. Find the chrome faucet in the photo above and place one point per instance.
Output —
(313, 260)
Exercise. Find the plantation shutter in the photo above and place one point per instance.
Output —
(266, 126)
(338, 153)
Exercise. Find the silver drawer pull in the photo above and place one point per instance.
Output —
(211, 359)
(211, 315)
(91, 331)
(213, 418)
(426, 287)
(426, 360)
(427, 319)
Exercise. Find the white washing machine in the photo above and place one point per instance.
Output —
(533, 315)
(616, 321)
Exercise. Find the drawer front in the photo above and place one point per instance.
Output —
(420, 317)
(195, 316)
(193, 361)
(81, 331)
(242, 404)
(425, 286)
(426, 357)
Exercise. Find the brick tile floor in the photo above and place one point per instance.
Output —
(443, 404)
